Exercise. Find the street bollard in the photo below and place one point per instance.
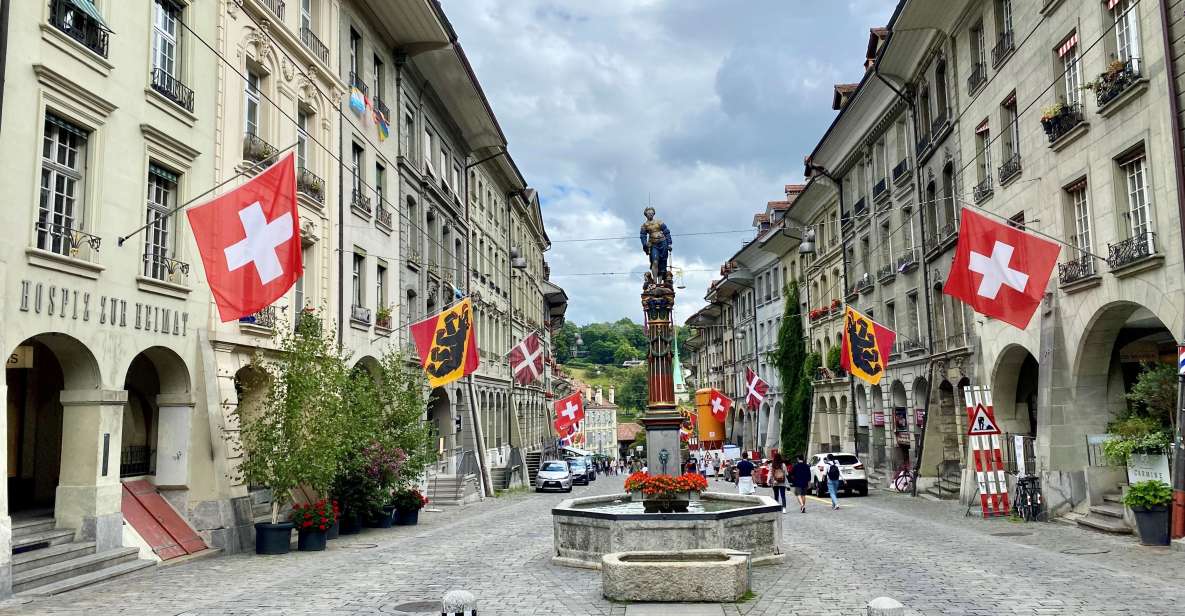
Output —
(884, 606)
(458, 603)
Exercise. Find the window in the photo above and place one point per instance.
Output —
(978, 47)
(886, 242)
(915, 319)
(306, 15)
(162, 197)
(252, 103)
(1127, 31)
(407, 139)
(1071, 70)
(429, 149)
(456, 181)
(1138, 214)
(356, 169)
(1080, 214)
(381, 285)
(355, 55)
(1011, 139)
(891, 315)
(900, 141)
(380, 184)
(983, 153)
(63, 166)
(358, 264)
(302, 139)
(300, 295)
(445, 166)
(949, 213)
(941, 107)
(164, 37)
(378, 90)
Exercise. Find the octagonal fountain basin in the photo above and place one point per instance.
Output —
(586, 529)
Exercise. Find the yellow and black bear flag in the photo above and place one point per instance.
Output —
(866, 347)
(447, 344)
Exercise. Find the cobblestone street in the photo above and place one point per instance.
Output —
(923, 553)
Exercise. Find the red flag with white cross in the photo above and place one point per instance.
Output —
(1000, 271)
(526, 360)
(249, 240)
(757, 389)
(721, 404)
(569, 411)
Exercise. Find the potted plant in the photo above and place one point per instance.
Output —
(665, 493)
(1149, 501)
(408, 503)
(382, 317)
(312, 522)
(335, 530)
(383, 464)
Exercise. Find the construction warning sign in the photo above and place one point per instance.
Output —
(982, 422)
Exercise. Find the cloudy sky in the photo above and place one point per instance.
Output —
(704, 107)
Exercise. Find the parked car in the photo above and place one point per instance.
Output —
(579, 471)
(851, 471)
(588, 465)
(553, 475)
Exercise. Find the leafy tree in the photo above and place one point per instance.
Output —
(633, 391)
(1155, 393)
(791, 360)
(625, 353)
(833, 361)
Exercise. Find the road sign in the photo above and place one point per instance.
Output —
(1181, 360)
(982, 422)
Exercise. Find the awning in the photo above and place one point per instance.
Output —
(88, 7)
(577, 451)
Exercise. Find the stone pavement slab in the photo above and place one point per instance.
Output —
(673, 609)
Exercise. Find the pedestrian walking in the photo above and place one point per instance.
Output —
(833, 479)
(777, 479)
(703, 466)
(745, 475)
(800, 478)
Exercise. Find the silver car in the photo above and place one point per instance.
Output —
(553, 475)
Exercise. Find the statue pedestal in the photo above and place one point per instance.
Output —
(662, 434)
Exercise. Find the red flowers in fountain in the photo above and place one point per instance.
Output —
(318, 516)
(665, 486)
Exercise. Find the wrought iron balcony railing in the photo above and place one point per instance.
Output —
(861, 207)
(361, 200)
(310, 184)
(1004, 46)
(923, 144)
(264, 318)
(160, 267)
(382, 216)
(880, 188)
(900, 169)
(1121, 76)
(865, 284)
(1067, 118)
(257, 150)
(983, 189)
(75, 23)
(1010, 168)
(940, 122)
(276, 7)
(886, 273)
(66, 240)
(977, 78)
(381, 107)
(314, 44)
(1075, 270)
(171, 88)
(908, 261)
(1138, 247)
(356, 81)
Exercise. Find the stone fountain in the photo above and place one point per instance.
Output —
(613, 530)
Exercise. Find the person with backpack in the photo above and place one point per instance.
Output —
(777, 479)
(833, 480)
(800, 478)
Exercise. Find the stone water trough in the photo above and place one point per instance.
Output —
(676, 576)
(586, 529)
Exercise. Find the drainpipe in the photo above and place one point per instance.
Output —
(1178, 509)
(4, 7)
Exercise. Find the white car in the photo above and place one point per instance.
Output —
(553, 475)
(851, 470)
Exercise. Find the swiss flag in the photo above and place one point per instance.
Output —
(1000, 271)
(757, 389)
(526, 360)
(721, 404)
(249, 240)
(569, 411)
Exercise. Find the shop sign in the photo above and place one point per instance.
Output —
(919, 417)
(903, 438)
(1143, 467)
(77, 305)
(901, 419)
(878, 418)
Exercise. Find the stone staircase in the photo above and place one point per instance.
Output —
(451, 490)
(1107, 517)
(533, 460)
(46, 560)
(949, 483)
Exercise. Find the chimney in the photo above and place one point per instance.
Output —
(612, 395)
(600, 396)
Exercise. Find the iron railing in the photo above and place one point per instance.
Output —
(1004, 46)
(1113, 83)
(67, 17)
(1010, 168)
(382, 216)
(1027, 454)
(310, 184)
(65, 240)
(360, 314)
(1075, 270)
(940, 122)
(977, 78)
(171, 88)
(135, 460)
(314, 44)
(1139, 246)
(381, 107)
(923, 144)
(865, 284)
(357, 82)
(1095, 458)
(886, 273)
(983, 189)
(256, 150)
(861, 207)
(361, 200)
(880, 188)
(900, 169)
(160, 267)
(1068, 117)
(266, 317)
(276, 7)
(908, 261)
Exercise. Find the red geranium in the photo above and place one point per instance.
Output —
(321, 514)
(665, 486)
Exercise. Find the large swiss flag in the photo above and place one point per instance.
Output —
(1000, 271)
(249, 240)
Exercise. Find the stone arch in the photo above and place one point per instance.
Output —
(897, 394)
(440, 416)
(371, 365)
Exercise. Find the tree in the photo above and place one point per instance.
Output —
(634, 391)
(625, 352)
(791, 360)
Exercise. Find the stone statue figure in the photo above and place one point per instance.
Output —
(656, 242)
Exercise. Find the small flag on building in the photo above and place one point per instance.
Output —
(447, 344)
(568, 412)
(757, 389)
(526, 360)
(866, 345)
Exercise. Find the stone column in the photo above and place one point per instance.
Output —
(172, 440)
(88, 494)
(662, 420)
(5, 520)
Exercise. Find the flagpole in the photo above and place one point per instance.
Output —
(120, 240)
(487, 486)
(1026, 229)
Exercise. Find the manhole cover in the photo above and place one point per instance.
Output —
(421, 607)
(359, 546)
(1084, 551)
(1011, 534)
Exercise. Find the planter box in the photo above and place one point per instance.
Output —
(273, 538)
(311, 540)
(1153, 525)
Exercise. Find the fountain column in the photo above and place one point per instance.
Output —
(662, 419)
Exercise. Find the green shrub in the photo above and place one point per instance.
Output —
(833, 361)
(1148, 494)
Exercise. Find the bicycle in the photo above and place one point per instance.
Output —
(1027, 503)
(903, 480)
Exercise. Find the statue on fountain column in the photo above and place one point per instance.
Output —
(656, 243)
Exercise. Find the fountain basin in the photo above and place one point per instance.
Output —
(586, 529)
(684, 576)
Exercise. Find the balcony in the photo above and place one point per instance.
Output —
(900, 169)
(865, 284)
(983, 190)
(908, 261)
(381, 107)
(67, 241)
(256, 150)
(264, 319)
(78, 25)
(880, 189)
(941, 122)
(1132, 250)
(160, 267)
(861, 208)
(886, 273)
(171, 88)
(383, 218)
(1058, 120)
(276, 7)
(1010, 168)
(977, 78)
(1004, 47)
(1119, 78)
(310, 184)
(1078, 269)
(314, 45)
(356, 82)
(906, 345)
(360, 201)
(360, 314)
(923, 144)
